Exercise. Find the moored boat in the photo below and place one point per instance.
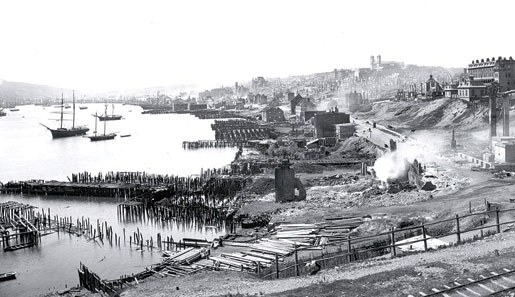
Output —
(97, 137)
(67, 132)
(7, 276)
(111, 117)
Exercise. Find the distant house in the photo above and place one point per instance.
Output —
(179, 104)
(344, 131)
(471, 89)
(433, 88)
(325, 123)
(451, 91)
(272, 114)
(294, 102)
(307, 106)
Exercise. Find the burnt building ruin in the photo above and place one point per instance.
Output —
(287, 187)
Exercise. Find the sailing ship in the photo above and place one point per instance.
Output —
(106, 117)
(97, 137)
(67, 132)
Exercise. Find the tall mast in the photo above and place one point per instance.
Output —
(96, 120)
(62, 105)
(112, 112)
(73, 123)
(105, 122)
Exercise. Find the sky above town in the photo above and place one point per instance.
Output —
(117, 45)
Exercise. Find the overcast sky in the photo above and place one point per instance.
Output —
(115, 45)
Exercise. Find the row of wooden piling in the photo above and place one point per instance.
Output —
(191, 217)
(179, 189)
(203, 144)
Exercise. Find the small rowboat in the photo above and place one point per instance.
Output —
(7, 276)
(125, 135)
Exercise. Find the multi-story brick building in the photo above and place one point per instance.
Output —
(500, 70)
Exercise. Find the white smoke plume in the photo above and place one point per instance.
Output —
(392, 166)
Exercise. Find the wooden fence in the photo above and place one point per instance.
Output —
(349, 249)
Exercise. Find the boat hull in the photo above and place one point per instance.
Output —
(61, 133)
(102, 137)
(110, 118)
(7, 276)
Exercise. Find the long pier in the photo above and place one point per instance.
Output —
(203, 144)
(151, 188)
(240, 130)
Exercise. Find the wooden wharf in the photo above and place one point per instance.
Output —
(176, 265)
(140, 186)
(240, 130)
(208, 144)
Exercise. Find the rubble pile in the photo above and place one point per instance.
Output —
(503, 174)
(335, 179)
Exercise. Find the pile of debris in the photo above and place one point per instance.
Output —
(336, 179)
(503, 174)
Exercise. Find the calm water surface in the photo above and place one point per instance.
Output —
(27, 151)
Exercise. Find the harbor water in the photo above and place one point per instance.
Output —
(27, 151)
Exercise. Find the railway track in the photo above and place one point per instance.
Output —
(485, 285)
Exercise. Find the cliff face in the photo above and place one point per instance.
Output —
(441, 113)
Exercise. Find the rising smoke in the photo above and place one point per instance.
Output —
(393, 166)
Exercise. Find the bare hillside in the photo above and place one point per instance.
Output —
(17, 91)
(441, 113)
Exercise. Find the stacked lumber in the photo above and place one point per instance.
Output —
(283, 241)
(187, 256)
(180, 263)
(337, 229)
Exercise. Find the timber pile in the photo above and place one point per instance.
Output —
(283, 242)
(178, 264)
(337, 229)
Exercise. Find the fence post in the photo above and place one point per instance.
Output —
(424, 235)
(296, 261)
(458, 234)
(276, 266)
(497, 221)
(349, 247)
(394, 252)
